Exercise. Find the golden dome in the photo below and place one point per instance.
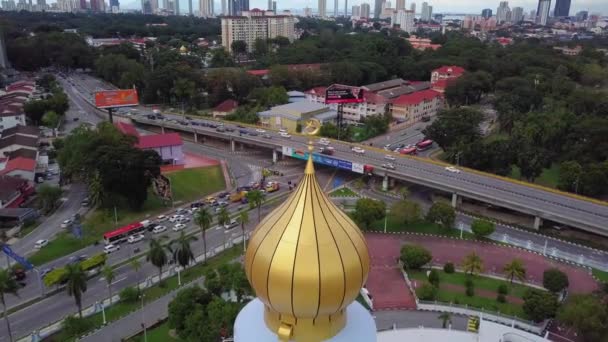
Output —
(307, 261)
(183, 49)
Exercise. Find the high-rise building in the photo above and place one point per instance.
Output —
(4, 63)
(486, 13)
(175, 5)
(41, 5)
(378, 8)
(206, 8)
(356, 11)
(345, 8)
(580, 16)
(256, 24)
(502, 13)
(413, 7)
(336, 8)
(405, 20)
(427, 12)
(562, 8)
(236, 7)
(542, 12)
(9, 5)
(274, 7)
(400, 5)
(308, 12)
(269, 7)
(365, 10)
(322, 8)
(517, 15)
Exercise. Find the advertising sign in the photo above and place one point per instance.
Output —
(18, 258)
(116, 98)
(337, 93)
(322, 159)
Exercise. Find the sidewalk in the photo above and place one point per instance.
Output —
(131, 324)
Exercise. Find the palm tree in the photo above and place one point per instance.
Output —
(182, 252)
(515, 269)
(256, 198)
(223, 217)
(157, 255)
(76, 284)
(445, 318)
(8, 284)
(108, 273)
(472, 264)
(244, 219)
(203, 219)
(136, 266)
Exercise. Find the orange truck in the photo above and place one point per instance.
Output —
(272, 187)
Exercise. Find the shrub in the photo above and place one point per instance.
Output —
(501, 298)
(539, 305)
(469, 282)
(94, 261)
(482, 228)
(449, 268)
(415, 256)
(470, 291)
(76, 326)
(503, 289)
(555, 280)
(427, 292)
(434, 278)
(129, 295)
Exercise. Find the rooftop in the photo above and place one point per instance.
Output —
(19, 163)
(417, 97)
(385, 85)
(18, 140)
(226, 106)
(23, 153)
(8, 186)
(452, 70)
(159, 140)
(21, 130)
(299, 107)
(127, 129)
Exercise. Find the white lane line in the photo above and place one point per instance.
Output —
(118, 280)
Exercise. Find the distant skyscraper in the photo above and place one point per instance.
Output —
(562, 8)
(236, 7)
(345, 8)
(190, 6)
(400, 5)
(365, 10)
(356, 11)
(336, 8)
(322, 7)
(542, 12)
(274, 7)
(269, 7)
(582, 16)
(165, 4)
(502, 13)
(486, 13)
(405, 20)
(3, 59)
(175, 5)
(378, 8)
(427, 12)
(114, 5)
(413, 7)
(206, 8)
(517, 15)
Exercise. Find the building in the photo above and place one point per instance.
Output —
(291, 116)
(352, 113)
(517, 15)
(582, 16)
(345, 8)
(503, 12)
(14, 191)
(206, 8)
(237, 7)
(387, 11)
(422, 43)
(114, 6)
(10, 119)
(562, 9)
(478, 23)
(227, 107)
(365, 10)
(412, 108)
(322, 8)
(446, 72)
(336, 8)
(400, 5)
(427, 12)
(378, 8)
(168, 146)
(356, 11)
(256, 24)
(9, 5)
(413, 7)
(542, 12)
(405, 20)
(575, 51)
(486, 13)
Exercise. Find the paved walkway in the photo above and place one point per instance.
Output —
(131, 324)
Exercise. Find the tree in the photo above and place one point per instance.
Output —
(184, 304)
(442, 213)
(239, 47)
(588, 314)
(260, 47)
(446, 318)
(434, 278)
(157, 255)
(515, 269)
(469, 88)
(368, 210)
(406, 212)
(182, 251)
(213, 283)
(455, 127)
(49, 196)
(404, 192)
(427, 292)
(243, 220)
(555, 280)
(256, 198)
(472, 264)
(51, 119)
(76, 284)
(8, 285)
(203, 219)
(108, 273)
(539, 305)
(569, 175)
(414, 257)
(223, 217)
(183, 89)
(482, 228)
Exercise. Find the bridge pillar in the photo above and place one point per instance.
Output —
(385, 183)
(454, 200)
(274, 156)
(195, 137)
(162, 129)
(537, 222)
(232, 145)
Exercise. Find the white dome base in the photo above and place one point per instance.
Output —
(250, 326)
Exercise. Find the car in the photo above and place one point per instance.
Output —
(197, 205)
(183, 220)
(233, 223)
(285, 135)
(175, 218)
(243, 131)
(220, 129)
(41, 243)
(111, 248)
(324, 141)
(178, 227)
(222, 203)
(85, 202)
(223, 194)
(77, 259)
(259, 130)
(358, 150)
(180, 211)
(327, 150)
(387, 147)
(159, 229)
(452, 169)
(389, 157)
(282, 130)
(161, 218)
(388, 166)
(66, 223)
(267, 136)
(210, 200)
(135, 238)
(253, 133)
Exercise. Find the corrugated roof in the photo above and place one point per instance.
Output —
(385, 85)
(159, 140)
(18, 140)
(21, 130)
(452, 70)
(9, 185)
(19, 163)
(300, 107)
(226, 106)
(24, 153)
(417, 97)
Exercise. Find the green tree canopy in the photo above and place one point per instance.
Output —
(368, 210)
(482, 228)
(415, 256)
(406, 211)
(539, 305)
(555, 280)
(442, 213)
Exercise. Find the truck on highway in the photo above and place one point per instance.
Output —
(272, 187)
(237, 196)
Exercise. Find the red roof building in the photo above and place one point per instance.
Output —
(442, 77)
(411, 108)
(168, 146)
(159, 140)
(14, 191)
(24, 168)
(127, 129)
(225, 108)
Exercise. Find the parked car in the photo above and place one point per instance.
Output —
(159, 229)
(111, 248)
(135, 238)
(161, 218)
(178, 227)
(41, 243)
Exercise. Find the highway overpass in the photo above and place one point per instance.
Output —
(571, 210)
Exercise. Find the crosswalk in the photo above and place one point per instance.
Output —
(473, 324)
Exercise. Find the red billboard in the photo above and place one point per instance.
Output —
(116, 98)
(337, 93)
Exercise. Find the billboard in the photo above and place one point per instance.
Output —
(322, 159)
(116, 98)
(337, 93)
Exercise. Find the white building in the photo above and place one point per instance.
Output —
(322, 8)
(256, 24)
(400, 5)
(365, 10)
(11, 119)
(427, 12)
(353, 112)
(405, 20)
(206, 8)
(542, 13)
(356, 11)
(503, 12)
(517, 15)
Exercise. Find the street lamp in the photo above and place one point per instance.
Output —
(143, 322)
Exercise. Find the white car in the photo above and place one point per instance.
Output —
(282, 130)
(135, 238)
(452, 169)
(324, 141)
(66, 223)
(259, 130)
(183, 220)
(175, 218)
(159, 229)
(41, 243)
(111, 248)
(387, 147)
(358, 150)
(178, 227)
(285, 135)
(233, 223)
(389, 157)
(388, 166)
(161, 218)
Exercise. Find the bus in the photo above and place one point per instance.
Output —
(409, 151)
(424, 145)
(122, 234)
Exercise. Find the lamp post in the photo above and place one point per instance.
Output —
(143, 322)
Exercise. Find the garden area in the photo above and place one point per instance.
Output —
(343, 192)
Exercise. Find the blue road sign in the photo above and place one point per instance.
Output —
(21, 260)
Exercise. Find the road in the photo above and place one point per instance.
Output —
(404, 136)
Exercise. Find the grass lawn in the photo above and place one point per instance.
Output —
(121, 309)
(392, 225)
(489, 304)
(549, 177)
(601, 275)
(343, 192)
(187, 185)
(160, 333)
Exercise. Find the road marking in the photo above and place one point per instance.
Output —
(120, 279)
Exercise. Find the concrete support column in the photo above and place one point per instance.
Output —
(162, 129)
(195, 137)
(537, 222)
(232, 145)
(241, 146)
(454, 200)
(385, 183)
(274, 156)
